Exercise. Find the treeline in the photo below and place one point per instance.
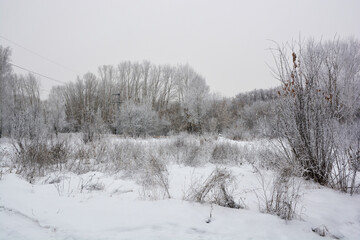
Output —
(133, 99)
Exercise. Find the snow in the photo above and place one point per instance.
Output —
(36, 211)
(98, 205)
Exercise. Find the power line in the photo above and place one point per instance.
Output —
(33, 52)
(36, 73)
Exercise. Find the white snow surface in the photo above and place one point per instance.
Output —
(120, 210)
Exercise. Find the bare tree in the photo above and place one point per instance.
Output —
(316, 80)
(5, 90)
(56, 118)
(106, 89)
(27, 117)
(195, 103)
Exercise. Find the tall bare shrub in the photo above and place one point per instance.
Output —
(320, 94)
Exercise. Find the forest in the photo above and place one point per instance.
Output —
(130, 99)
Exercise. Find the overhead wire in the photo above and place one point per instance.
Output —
(39, 55)
(36, 73)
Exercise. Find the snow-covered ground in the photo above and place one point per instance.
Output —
(98, 205)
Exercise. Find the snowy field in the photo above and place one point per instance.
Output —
(103, 204)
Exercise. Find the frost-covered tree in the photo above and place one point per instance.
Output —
(320, 97)
(83, 107)
(27, 117)
(218, 117)
(81, 100)
(140, 120)
(106, 88)
(56, 118)
(6, 101)
(195, 105)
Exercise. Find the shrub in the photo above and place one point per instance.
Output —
(191, 151)
(215, 189)
(281, 195)
(154, 180)
(35, 157)
(225, 152)
(319, 98)
(346, 167)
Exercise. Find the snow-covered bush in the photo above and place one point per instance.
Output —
(323, 231)
(191, 150)
(116, 154)
(133, 158)
(154, 180)
(347, 160)
(217, 188)
(225, 152)
(281, 195)
(269, 156)
(192, 156)
(140, 120)
(35, 158)
(236, 131)
(252, 121)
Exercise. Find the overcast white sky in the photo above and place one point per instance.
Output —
(226, 40)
